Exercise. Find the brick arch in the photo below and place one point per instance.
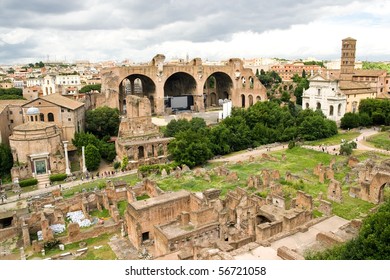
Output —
(158, 71)
(377, 186)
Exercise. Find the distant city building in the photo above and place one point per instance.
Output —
(258, 64)
(287, 71)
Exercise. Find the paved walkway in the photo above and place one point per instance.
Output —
(123, 248)
(299, 242)
(334, 149)
(360, 140)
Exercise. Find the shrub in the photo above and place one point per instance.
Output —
(347, 147)
(58, 177)
(291, 144)
(28, 182)
(117, 164)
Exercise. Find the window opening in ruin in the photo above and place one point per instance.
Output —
(242, 101)
(6, 222)
(145, 236)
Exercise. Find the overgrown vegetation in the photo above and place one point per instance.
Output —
(262, 123)
(6, 160)
(11, 93)
(371, 112)
(372, 243)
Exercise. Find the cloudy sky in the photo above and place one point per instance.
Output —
(96, 30)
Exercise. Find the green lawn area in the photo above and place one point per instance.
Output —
(131, 179)
(299, 161)
(380, 140)
(336, 139)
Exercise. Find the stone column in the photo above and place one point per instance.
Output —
(67, 169)
(83, 157)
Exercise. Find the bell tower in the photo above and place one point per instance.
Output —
(348, 52)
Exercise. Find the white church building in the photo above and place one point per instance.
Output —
(324, 94)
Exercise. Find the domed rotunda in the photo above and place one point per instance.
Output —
(36, 148)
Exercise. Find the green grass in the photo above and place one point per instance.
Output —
(336, 139)
(143, 197)
(380, 140)
(351, 208)
(100, 214)
(131, 179)
(122, 205)
(299, 161)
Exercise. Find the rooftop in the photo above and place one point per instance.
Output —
(161, 199)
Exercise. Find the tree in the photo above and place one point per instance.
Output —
(219, 137)
(106, 149)
(347, 147)
(285, 96)
(92, 157)
(191, 148)
(103, 121)
(365, 119)
(175, 126)
(89, 88)
(349, 120)
(83, 139)
(6, 160)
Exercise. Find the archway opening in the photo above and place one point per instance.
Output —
(179, 91)
(242, 101)
(141, 152)
(331, 110)
(217, 87)
(250, 100)
(139, 85)
(384, 192)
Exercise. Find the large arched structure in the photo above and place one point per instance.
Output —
(159, 80)
(179, 91)
(378, 183)
(218, 86)
(138, 85)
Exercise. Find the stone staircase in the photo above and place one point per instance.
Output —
(43, 181)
